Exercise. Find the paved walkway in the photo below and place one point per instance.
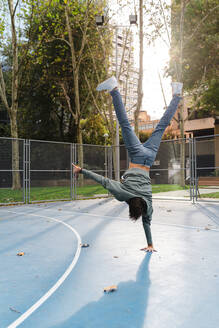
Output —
(184, 193)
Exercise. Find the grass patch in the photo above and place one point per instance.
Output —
(8, 195)
(167, 187)
(210, 195)
(52, 193)
(88, 191)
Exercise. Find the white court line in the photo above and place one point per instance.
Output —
(35, 306)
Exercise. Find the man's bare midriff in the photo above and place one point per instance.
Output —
(139, 166)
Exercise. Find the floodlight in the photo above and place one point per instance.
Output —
(133, 19)
(99, 20)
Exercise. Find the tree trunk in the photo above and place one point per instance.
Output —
(75, 68)
(182, 144)
(16, 184)
(140, 80)
(14, 101)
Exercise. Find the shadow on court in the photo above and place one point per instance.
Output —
(124, 308)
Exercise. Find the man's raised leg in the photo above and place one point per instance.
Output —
(153, 143)
(131, 141)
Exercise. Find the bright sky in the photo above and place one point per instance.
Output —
(155, 59)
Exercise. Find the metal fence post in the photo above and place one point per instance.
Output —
(71, 173)
(74, 179)
(192, 182)
(110, 162)
(24, 170)
(190, 170)
(29, 177)
(27, 171)
(195, 170)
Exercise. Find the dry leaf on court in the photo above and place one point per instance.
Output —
(14, 310)
(110, 289)
(85, 245)
(20, 254)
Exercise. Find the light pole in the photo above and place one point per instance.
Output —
(100, 22)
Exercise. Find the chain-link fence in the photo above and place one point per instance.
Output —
(50, 172)
(12, 170)
(33, 171)
(206, 151)
(97, 159)
(172, 174)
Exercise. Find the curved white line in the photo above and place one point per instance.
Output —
(35, 306)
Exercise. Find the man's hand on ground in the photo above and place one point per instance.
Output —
(149, 249)
(76, 170)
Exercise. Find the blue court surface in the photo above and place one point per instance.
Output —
(59, 284)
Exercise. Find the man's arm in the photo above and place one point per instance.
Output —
(147, 229)
(105, 182)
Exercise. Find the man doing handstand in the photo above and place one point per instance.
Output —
(135, 187)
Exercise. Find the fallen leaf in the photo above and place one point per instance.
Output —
(206, 228)
(115, 257)
(14, 310)
(85, 245)
(110, 289)
(169, 210)
(20, 254)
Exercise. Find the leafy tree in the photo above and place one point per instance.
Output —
(50, 76)
(94, 130)
(200, 59)
(10, 79)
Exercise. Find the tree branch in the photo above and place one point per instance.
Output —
(201, 22)
(94, 99)
(165, 22)
(62, 39)
(198, 96)
(15, 8)
(67, 98)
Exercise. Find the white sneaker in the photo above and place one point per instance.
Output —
(177, 88)
(108, 84)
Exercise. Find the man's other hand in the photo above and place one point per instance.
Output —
(76, 169)
(149, 249)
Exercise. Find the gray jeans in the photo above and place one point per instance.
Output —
(139, 153)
